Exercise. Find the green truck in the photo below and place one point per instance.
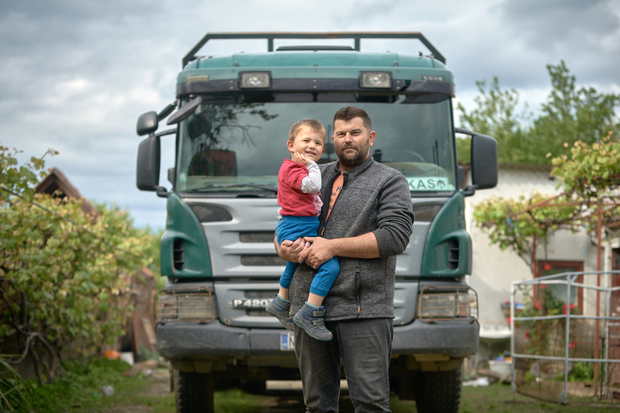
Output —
(230, 122)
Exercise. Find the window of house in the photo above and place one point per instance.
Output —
(558, 292)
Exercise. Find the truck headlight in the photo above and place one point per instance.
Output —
(184, 304)
(254, 80)
(442, 304)
(376, 80)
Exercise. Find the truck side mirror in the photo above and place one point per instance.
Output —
(483, 161)
(484, 167)
(147, 174)
(147, 123)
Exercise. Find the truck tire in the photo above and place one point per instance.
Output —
(254, 386)
(438, 391)
(193, 392)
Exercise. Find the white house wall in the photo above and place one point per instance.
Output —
(494, 270)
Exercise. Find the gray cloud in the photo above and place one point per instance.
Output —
(586, 34)
(554, 23)
(76, 75)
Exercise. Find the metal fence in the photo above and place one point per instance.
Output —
(565, 345)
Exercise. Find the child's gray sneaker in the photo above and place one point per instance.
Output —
(312, 320)
(280, 310)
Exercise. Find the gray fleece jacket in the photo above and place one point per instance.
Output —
(375, 198)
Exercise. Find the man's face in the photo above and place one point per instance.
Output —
(352, 142)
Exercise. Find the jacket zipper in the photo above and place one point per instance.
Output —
(358, 287)
(345, 179)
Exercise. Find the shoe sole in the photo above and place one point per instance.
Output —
(311, 333)
(281, 319)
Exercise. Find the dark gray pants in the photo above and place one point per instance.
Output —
(365, 347)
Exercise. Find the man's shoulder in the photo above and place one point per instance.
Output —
(382, 169)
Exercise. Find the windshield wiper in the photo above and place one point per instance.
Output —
(264, 188)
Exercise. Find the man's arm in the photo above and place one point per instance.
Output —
(394, 225)
(322, 249)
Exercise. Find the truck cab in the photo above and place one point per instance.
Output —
(230, 122)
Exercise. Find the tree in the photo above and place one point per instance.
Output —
(64, 274)
(496, 115)
(589, 183)
(569, 115)
(572, 115)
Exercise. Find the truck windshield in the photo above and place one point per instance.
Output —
(233, 148)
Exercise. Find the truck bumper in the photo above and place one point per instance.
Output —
(452, 338)
(189, 340)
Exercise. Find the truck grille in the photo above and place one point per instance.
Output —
(262, 261)
(178, 252)
(257, 237)
(453, 254)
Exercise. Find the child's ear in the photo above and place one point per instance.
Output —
(289, 145)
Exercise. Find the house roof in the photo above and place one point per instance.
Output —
(56, 184)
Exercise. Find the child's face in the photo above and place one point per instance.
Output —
(308, 142)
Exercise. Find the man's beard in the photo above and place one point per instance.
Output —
(351, 161)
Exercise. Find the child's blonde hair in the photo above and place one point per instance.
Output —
(307, 123)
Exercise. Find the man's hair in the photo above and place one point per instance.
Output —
(349, 112)
(313, 124)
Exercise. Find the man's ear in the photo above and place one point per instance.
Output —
(372, 137)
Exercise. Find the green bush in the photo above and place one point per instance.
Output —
(64, 273)
(582, 371)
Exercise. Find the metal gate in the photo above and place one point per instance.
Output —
(566, 341)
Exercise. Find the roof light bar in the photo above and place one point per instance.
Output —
(376, 80)
(254, 80)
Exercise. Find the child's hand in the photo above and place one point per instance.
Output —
(300, 158)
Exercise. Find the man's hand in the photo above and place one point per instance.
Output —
(319, 252)
(290, 250)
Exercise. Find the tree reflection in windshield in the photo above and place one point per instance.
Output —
(208, 143)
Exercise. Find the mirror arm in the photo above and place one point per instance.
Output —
(166, 132)
(161, 191)
(470, 190)
(166, 111)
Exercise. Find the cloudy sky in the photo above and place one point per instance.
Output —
(75, 75)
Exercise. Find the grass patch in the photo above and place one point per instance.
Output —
(498, 398)
(235, 401)
(78, 389)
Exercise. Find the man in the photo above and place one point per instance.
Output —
(366, 221)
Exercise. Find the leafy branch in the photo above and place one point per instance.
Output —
(589, 188)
